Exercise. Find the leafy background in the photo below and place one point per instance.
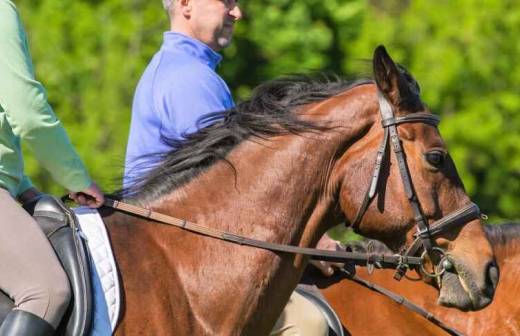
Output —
(90, 55)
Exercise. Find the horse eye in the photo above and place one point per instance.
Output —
(435, 158)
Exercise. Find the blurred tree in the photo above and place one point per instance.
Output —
(280, 37)
(90, 55)
(464, 55)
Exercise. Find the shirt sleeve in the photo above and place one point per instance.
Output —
(27, 110)
(189, 97)
(24, 185)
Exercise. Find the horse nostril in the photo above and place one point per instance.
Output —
(492, 276)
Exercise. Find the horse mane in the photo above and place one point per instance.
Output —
(503, 234)
(269, 112)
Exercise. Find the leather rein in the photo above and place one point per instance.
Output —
(381, 260)
(423, 237)
(401, 300)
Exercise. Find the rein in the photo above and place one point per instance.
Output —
(400, 300)
(362, 259)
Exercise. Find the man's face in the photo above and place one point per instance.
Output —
(213, 21)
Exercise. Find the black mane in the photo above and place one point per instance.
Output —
(502, 234)
(269, 112)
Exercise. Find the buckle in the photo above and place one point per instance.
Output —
(444, 263)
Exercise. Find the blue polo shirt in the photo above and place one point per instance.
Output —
(178, 87)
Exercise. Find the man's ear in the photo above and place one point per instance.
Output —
(185, 7)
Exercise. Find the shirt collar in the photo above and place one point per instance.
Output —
(180, 42)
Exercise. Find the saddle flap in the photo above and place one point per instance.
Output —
(61, 228)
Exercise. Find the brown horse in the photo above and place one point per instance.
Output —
(284, 167)
(365, 312)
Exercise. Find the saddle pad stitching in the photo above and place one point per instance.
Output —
(93, 228)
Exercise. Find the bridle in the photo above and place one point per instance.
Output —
(425, 233)
(423, 237)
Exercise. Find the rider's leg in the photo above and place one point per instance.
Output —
(30, 272)
(300, 317)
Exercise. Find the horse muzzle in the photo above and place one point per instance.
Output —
(462, 289)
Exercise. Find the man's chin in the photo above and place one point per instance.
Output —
(224, 42)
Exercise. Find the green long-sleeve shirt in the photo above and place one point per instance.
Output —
(25, 114)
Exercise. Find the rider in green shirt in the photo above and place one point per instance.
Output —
(29, 270)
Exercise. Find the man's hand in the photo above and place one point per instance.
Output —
(29, 195)
(92, 196)
(327, 243)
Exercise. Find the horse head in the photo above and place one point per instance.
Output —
(432, 190)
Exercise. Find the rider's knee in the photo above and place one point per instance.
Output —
(59, 293)
(301, 317)
(314, 323)
(49, 297)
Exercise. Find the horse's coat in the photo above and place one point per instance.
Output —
(364, 312)
(283, 167)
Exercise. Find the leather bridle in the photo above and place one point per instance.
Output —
(423, 237)
(425, 233)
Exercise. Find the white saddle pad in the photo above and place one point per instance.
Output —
(95, 233)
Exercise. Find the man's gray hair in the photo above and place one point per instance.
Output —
(167, 4)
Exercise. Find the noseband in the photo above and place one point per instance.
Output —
(425, 233)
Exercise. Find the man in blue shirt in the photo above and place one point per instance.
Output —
(180, 84)
(178, 87)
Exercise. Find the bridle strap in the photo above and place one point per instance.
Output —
(362, 259)
(389, 123)
(392, 122)
(464, 215)
(424, 118)
(424, 235)
(372, 189)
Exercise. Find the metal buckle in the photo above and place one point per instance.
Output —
(401, 264)
(442, 265)
(371, 260)
(401, 269)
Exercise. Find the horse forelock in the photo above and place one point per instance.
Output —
(269, 112)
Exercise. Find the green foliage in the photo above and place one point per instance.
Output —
(463, 54)
(90, 55)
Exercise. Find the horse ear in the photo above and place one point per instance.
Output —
(394, 82)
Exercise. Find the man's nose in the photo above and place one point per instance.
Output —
(236, 12)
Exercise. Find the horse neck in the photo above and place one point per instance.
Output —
(276, 192)
(508, 257)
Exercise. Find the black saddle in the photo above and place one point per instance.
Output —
(61, 228)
